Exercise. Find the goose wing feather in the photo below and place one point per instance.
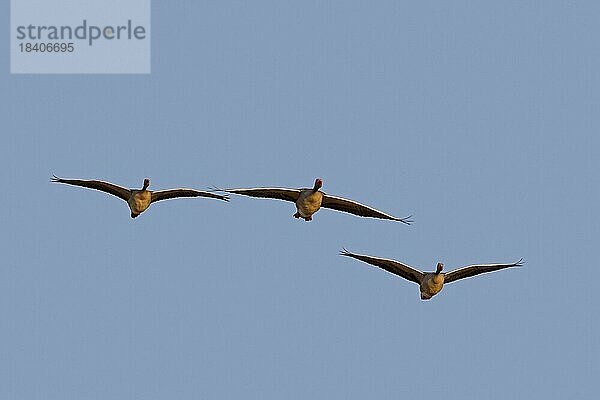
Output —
(107, 187)
(182, 192)
(472, 270)
(353, 207)
(270, 193)
(395, 267)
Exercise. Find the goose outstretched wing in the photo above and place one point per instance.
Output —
(181, 192)
(106, 187)
(270, 193)
(472, 270)
(356, 208)
(395, 267)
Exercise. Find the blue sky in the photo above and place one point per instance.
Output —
(478, 118)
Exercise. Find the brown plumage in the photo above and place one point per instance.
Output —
(138, 200)
(309, 200)
(430, 283)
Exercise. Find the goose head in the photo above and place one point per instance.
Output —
(439, 268)
(318, 184)
(146, 184)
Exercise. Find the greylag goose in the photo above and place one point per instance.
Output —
(430, 283)
(138, 200)
(310, 200)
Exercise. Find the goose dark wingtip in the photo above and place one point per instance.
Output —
(520, 263)
(344, 252)
(406, 220)
(215, 188)
(55, 178)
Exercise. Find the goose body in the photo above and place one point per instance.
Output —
(430, 283)
(138, 199)
(310, 200)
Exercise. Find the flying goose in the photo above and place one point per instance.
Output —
(138, 200)
(430, 283)
(310, 200)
